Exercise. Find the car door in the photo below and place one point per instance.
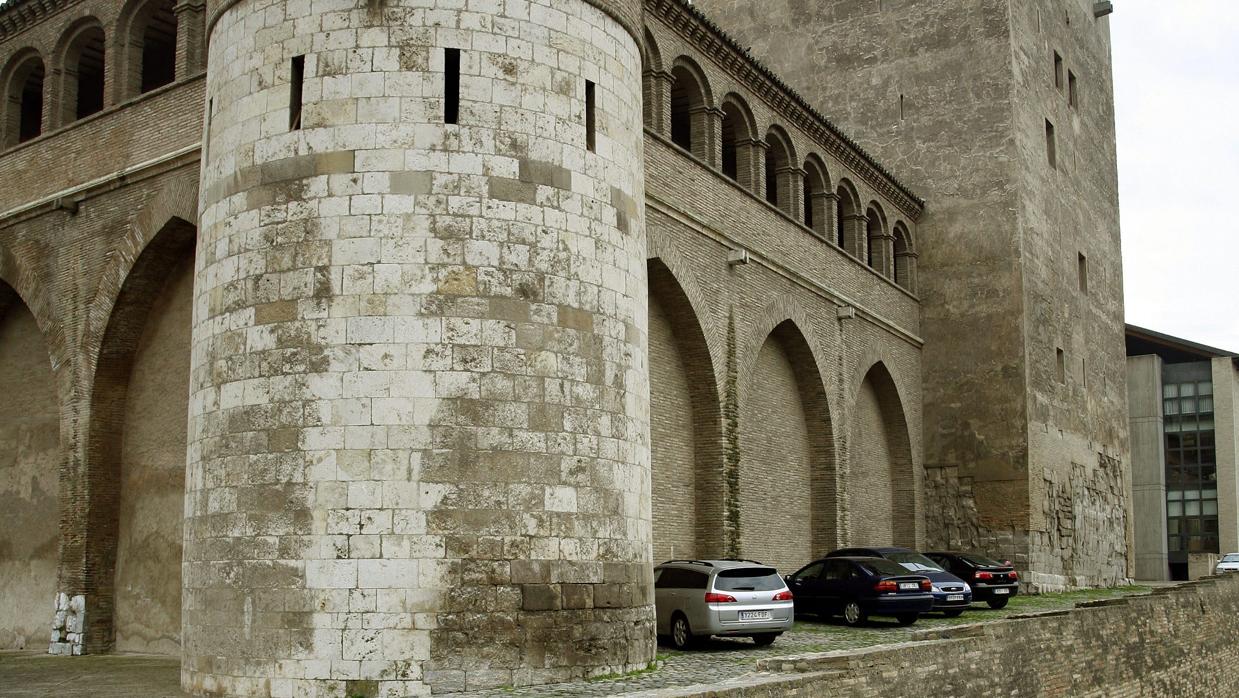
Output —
(835, 580)
(806, 587)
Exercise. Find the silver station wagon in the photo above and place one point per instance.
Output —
(695, 599)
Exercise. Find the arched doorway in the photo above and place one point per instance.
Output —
(29, 479)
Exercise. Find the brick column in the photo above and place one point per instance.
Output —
(883, 248)
(823, 205)
(905, 270)
(791, 187)
(854, 235)
(707, 122)
(190, 41)
(657, 106)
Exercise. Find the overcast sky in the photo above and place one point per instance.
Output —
(1176, 84)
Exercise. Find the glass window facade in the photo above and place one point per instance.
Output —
(1191, 466)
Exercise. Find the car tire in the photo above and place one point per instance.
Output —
(997, 603)
(907, 618)
(681, 632)
(854, 614)
(953, 613)
(765, 639)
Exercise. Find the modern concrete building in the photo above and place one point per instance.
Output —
(1184, 441)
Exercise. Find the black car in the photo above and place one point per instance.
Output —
(951, 594)
(859, 587)
(992, 582)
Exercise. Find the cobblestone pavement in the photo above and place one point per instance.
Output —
(28, 674)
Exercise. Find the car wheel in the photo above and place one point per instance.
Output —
(765, 639)
(997, 603)
(854, 615)
(954, 613)
(681, 633)
(906, 618)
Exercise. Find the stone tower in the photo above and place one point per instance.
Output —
(418, 450)
(1001, 114)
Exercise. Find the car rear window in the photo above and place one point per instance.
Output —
(748, 579)
(885, 568)
(981, 561)
(915, 562)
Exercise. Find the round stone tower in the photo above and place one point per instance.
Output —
(419, 451)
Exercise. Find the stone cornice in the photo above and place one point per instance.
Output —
(715, 44)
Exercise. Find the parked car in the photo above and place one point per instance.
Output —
(952, 595)
(992, 582)
(859, 587)
(695, 599)
(1228, 563)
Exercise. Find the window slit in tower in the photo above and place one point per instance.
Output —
(590, 116)
(295, 85)
(1051, 148)
(451, 85)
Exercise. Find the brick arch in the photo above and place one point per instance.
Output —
(25, 284)
(129, 44)
(873, 374)
(691, 104)
(145, 258)
(24, 66)
(660, 248)
(82, 39)
(686, 420)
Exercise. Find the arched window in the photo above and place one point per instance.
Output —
(653, 84)
(878, 236)
(905, 258)
(779, 175)
(83, 61)
(846, 211)
(159, 46)
(816, 196)
(873, 231)
(687, 103)
(23, 99)
(737, 146)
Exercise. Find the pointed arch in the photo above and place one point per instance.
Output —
(30, 457)
(788, 465)
(817, 196)
(136, 444)
(882, 475)
(21, 114)
(685, 424)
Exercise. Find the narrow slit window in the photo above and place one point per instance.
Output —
(1071, 89)
(1051, 148)
(901, 117)
(1058, 70)
(1082, 272)
(591, 123)
(1061, 365)
(295, 84)
(451, 85)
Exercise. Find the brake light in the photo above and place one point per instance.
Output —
(713, 597)
(1014, 574)
(982, 576)
(783, 596)
(927, 585)
(886, 585)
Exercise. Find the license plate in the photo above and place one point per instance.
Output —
(909, 586)
(955, 597)
(1002, 591)
(754, 615)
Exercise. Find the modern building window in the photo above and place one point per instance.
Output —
(1191, 467)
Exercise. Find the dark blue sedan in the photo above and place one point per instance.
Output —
(952, 595)
(859, 587)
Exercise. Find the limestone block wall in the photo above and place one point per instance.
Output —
(419, 455)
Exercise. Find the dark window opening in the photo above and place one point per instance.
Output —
(731, 166)
(873, 229)
(1082, 272)
(296, 83)
(1058, 70)
(451, 85)
(590, 117)
(1051, 148)
(30, 118)
(1071, 88)
(772, 176)
(901, 107)
(159, 48)
(682, 102)
(1061, 365)
(808, 204)
(89, 66)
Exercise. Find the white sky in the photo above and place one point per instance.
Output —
(1176, 84)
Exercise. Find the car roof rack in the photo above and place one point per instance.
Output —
(691, 562)
(743, 559)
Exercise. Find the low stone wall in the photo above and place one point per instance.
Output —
(1176, 642)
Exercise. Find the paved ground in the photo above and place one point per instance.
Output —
(28, 674)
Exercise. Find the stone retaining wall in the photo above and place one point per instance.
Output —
(1162, 644)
